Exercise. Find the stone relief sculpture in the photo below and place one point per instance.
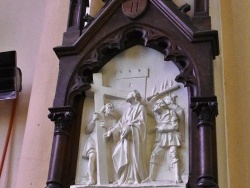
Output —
(126, 138)
(128, 153)
(89, 152)
(144, 143)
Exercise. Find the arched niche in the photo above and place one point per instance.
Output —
(118, 40)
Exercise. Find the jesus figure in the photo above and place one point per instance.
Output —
(129, 152)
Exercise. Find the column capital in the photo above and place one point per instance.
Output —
(206, 108)
(61, 116)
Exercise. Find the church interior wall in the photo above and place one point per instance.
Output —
(21, 32)
(29, 27)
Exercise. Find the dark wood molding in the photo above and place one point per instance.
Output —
(162, 26)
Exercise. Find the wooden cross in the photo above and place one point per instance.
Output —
(100, 92)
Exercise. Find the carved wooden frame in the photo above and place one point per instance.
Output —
(90, 43)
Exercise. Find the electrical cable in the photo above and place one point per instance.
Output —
(13, 112)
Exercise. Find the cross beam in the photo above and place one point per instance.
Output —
(100, 92)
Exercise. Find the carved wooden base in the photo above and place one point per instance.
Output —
(149, 186)
(138, 185)
(207, 182)
(53, 185)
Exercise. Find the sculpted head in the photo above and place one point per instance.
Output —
(159, 105)
(108, 109)
(170, 99)
(134, 95)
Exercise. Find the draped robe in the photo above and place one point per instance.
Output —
(129, 152)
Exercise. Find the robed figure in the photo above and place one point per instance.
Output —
(129, 152)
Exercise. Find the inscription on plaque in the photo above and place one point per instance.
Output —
(134, 8)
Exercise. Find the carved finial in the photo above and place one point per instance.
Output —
(185, 8)
(88, 19)
(106, 1)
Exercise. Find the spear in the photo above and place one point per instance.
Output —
(172, 88)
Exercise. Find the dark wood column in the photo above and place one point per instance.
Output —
(201, 17)
(62, 117)
(201, 7)
(206, 110)
(76, 20)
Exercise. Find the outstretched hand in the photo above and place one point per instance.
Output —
(96, 116)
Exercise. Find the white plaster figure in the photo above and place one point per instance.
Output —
(168, 137)
(89, 151)
(109, 123)
(171, 102)
(129, 152)
(110, 119)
